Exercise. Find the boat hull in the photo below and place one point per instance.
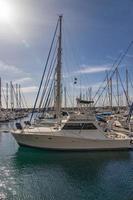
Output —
(54, 142)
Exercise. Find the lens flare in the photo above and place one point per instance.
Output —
(6, 12)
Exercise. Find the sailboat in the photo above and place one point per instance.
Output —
(79, 132)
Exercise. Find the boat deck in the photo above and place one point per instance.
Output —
(92, 134)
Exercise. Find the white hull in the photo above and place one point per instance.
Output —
(70, 143)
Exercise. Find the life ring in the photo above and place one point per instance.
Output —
(131, 141)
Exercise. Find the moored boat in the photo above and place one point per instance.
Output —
(79, 133)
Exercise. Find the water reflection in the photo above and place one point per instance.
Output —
(32, 155)
(87, 164)
(27, 173)
(78, 173)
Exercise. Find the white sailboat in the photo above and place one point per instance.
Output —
(77, 133)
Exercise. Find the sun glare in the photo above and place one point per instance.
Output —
(6, 12)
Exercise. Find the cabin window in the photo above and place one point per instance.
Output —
(79, 126)
(89, 126)
(73, 126)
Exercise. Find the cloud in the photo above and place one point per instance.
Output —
(85, 69)
(23, 80)
(30, 89)
(13, 73)
(93, 69)
(9, 68)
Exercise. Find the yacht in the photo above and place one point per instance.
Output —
(79, 132)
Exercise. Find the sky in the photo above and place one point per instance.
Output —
(95, 32)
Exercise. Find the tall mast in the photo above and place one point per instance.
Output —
(90, 95)
(7, 96)
(19, 94)
(108, 84)
(58, 71)
(127, 91)
(65, 98)
(111, 93)
(0, 95)
(11, 96)
(117, 81)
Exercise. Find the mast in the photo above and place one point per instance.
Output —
(58, 71)
(108, 85)
(7, 96)
(0, 95)
(90, 95)
(11, 96)
(65, 98)
(117, 81)
(19, 96)
(127, 88)
(111, 92)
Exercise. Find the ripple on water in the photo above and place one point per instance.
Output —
(7, 181)
(33, 174)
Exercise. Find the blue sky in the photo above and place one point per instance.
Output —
(94, 34)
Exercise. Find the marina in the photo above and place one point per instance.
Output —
(15, 106)
(84, 130)
(66, 100)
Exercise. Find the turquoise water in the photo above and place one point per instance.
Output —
(37, 174)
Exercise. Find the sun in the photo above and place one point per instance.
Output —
(6, 12)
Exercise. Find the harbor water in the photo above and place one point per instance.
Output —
(27, 174)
